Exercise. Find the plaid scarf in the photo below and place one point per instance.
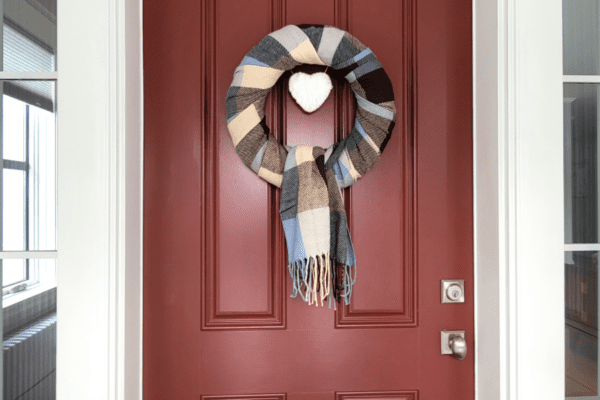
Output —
(321, 257)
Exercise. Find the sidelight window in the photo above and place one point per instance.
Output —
(581, 111)
(28, 206)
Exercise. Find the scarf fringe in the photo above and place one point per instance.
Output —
(318, 278)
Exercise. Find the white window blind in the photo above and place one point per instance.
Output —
(22, 52)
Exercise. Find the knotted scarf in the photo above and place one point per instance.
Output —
(321, 257)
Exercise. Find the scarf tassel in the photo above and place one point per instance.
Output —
(318, 278)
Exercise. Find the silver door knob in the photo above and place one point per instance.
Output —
(458, 345)
(453, 342)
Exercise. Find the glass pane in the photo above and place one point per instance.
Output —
(14, 271)
(581, 167)
(581, 323)
(29, 35)
(13, 210)
(581, 37)
(29, 333)
(29, 184)
(13, 127)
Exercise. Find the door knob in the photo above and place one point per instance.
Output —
(458, 347)
(453, 342)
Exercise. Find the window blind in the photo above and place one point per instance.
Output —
(24, 53)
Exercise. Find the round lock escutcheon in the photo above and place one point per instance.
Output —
(454, 292)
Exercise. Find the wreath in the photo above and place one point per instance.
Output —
(321, 257)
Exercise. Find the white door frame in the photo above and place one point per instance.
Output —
(100, 148)
(518, 199)
(518, 211)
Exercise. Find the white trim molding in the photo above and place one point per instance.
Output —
(100, 151)
(581, 79)
(518, 199)
(33, 255)
(29, 75)
(582, 247)
(127, 170)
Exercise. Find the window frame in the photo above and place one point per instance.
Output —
(579, 247)
(34, 279)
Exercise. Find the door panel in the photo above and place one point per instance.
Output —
(243, 285)
(381, 207)
(218, 319)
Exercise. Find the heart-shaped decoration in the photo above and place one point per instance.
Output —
(310, 91)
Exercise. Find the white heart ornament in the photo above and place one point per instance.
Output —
(310, 91)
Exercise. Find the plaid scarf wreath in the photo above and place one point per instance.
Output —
(322, 263)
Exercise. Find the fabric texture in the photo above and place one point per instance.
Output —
(310, 91)
(321, 257)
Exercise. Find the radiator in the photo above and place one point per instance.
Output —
(30, 361)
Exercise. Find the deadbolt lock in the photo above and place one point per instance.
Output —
(453, 290)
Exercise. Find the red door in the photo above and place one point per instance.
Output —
(219, 322)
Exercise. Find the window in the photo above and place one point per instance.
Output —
(581, 112)
(29, 198)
